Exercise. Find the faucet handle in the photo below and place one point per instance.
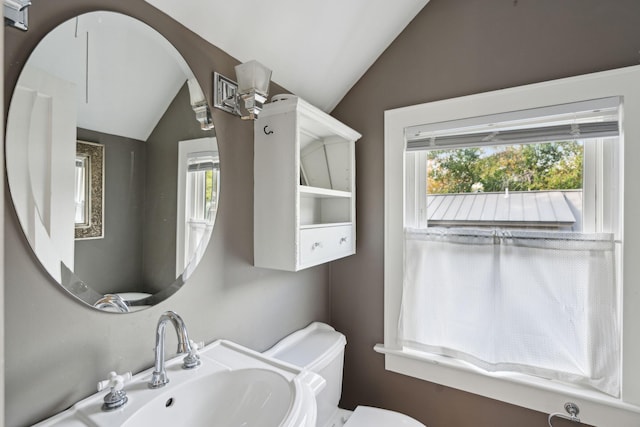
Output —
(192, 359)
(115, 381)
(196, 345)
(116, 396)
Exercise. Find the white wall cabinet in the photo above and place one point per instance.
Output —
(304, 186)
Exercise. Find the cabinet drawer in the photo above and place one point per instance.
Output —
(322, 244)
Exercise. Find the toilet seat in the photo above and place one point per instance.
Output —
(366, 416)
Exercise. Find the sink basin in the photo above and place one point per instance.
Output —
(246, 397)
(233, 387)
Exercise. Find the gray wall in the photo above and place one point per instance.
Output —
(57, 349)
(454, 48)
(114, 263)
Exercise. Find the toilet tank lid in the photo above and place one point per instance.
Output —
(310, 348)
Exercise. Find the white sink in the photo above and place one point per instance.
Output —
(234, 387)
(246, 397)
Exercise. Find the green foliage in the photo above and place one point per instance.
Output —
(211, 186)
(530, 167)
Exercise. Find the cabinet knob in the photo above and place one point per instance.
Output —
(343, 240)
(316, 245)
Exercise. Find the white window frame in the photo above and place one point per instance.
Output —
(522, 390)
(186, 150)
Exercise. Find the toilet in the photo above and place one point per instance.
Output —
(320, 348)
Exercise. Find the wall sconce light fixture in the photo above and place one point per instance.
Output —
(246, 97)
(16, 13)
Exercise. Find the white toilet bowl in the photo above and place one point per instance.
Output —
(376, 417)
(320, 349)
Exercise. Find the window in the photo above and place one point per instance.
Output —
(510, 310)
(538, 292)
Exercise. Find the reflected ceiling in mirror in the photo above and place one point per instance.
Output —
(109, 80)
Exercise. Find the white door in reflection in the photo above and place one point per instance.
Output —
(198, 187)
(42, 127)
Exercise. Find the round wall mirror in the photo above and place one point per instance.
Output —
(112, 161)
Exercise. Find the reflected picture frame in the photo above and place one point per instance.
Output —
(89, 190)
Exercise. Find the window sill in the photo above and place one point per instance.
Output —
(523, 390)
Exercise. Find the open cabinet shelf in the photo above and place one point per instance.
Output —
(316, 192)
(325, 225)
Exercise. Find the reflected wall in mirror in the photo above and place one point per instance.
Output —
(111, 81)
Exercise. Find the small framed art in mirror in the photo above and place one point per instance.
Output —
(89, 190)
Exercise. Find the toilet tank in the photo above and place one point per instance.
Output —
(318, 348)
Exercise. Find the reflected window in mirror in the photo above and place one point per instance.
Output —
(201, 200)
(198, 190)
(202, 188)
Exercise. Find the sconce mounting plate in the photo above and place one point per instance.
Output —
(16, 13)
(225, 94)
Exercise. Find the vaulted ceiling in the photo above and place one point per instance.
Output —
(316, 49)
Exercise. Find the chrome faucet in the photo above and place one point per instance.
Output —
(112, 301)
(159, 376)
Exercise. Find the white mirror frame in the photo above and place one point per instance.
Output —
(538, 394)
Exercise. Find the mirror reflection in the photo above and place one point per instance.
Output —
(113, 179)
(88, 191)
(80, 193)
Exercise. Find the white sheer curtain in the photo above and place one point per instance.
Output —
(542, 303)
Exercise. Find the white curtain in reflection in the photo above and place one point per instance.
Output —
(533, 302)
